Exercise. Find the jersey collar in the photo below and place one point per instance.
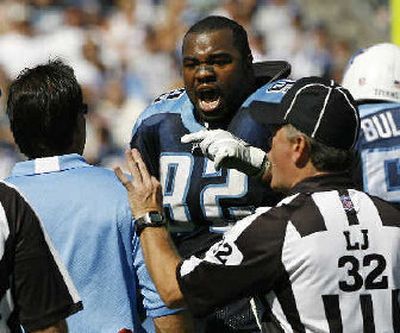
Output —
(49, 165)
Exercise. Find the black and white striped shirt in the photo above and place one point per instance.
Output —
(35, 288)
(325, 259)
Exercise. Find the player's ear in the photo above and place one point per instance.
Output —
(249, 61)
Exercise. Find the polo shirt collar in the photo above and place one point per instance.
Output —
(49, 165)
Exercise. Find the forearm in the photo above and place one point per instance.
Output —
(60, 327)
(144, 193)
(162, 260)
(180, 322)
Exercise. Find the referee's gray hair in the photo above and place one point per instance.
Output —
(323, 157)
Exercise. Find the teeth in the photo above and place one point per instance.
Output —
(209, 100)
(209, 105)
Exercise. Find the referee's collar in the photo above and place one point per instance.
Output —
(330, 181)
(49, 164)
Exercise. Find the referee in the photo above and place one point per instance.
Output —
(35, 289)
(325, 259)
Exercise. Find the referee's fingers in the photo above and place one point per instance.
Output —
(123, 179)
(141, 166)
(132, 166)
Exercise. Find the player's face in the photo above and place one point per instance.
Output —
(215, 74)
(280, 157)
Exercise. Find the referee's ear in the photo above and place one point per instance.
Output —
(300, 152)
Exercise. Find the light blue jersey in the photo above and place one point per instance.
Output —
(379, 147)
(86, 213)
(195, 195)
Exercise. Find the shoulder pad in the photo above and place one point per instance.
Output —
(170, 102)
(270, 92)
(280, 86)
(268, 71)
(173, 102)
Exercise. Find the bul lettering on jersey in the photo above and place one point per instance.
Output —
(380, 126)
(352, 245)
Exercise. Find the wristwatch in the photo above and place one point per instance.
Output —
(150, 219)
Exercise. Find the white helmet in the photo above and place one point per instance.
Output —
(374, 73)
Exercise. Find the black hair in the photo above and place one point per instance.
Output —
(43, 105)
(216, 23)
(323, 157)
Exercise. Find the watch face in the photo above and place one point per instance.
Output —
(150, 219)
(155, 217)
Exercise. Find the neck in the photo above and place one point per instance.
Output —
(308, 171)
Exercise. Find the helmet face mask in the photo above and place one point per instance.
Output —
(374, 74)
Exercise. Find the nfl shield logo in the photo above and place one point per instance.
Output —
(347, 203)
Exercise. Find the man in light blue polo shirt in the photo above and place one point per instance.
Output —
(84, 208)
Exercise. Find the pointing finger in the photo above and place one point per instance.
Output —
(194, 137)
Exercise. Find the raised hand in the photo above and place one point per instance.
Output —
(144, 190)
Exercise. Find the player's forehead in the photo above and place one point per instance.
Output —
(199, 44)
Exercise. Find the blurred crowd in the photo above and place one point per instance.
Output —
(127, 52)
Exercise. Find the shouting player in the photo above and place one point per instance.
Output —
(200, 201)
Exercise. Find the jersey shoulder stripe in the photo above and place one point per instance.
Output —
(177, 103)
(370, 109)
(271, 92)
(170, 102)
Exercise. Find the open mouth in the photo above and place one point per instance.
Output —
(209, 99)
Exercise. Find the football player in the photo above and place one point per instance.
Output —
(201, 202)
(373, 78)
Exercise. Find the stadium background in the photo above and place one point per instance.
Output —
(126, 52)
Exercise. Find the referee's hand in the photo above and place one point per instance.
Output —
(144, 190)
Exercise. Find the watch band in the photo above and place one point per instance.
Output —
(150, 219)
